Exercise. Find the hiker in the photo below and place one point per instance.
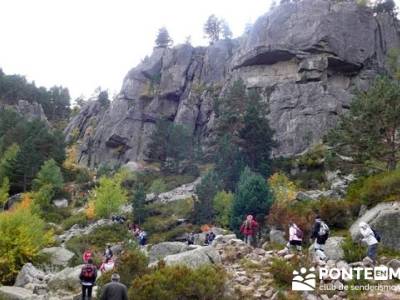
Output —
(295, 237)
(320, 233)
(118, 219)
(142, 238)
(108, 252)
(211, 237)
(371, 238)
(248, 229)
(114, 290)
(135, 230)
(88, 278)
(87, 255)
(190, 238)
(107, 265)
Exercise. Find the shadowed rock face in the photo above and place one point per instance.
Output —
(306, 59)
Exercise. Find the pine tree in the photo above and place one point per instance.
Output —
(226, 31)
(203, 211)
(163, 39)
(139, 204)
(252, 197)
(212, 28)
(49, 174)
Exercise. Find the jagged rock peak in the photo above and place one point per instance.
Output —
(306, 58)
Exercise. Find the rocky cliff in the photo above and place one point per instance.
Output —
(306, 59)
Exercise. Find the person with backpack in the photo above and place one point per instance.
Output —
(249, 229)
(108, 254)
(190, 238)
(371, 238)
(88, 278)
(87, 255)
(142, 238)
(320, 233)
(295, 237)
(114, 290)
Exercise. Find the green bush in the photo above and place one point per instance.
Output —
(79, 218)
(130, 265)
(381, 187)
(335, 212)
(179, 282)
(353, 252)
(282, 271)
(49, 175)
(158, 186)
(222, 204)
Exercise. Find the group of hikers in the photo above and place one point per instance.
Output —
(139, 234)
(319, 236)
(208, 239)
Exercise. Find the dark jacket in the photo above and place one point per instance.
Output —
(114, 291)
(321, 239)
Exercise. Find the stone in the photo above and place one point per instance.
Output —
(277, 237)
(332, 249)
(385, 218)
(194, 258)
(161, 250)
(305, 64)
(16, 293)
(67, 279)
(29, 274)
(394, 264)
(11, 201)
(60, 203)
(59, 256)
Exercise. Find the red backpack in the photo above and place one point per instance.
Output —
(88, 272)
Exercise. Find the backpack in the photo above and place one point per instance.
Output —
(323, 229)
(299, 233)
(377, 235)
(87, 272)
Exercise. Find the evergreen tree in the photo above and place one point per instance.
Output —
(369, 132)
(203, 211)
(226, 30)
(139, 204)
(388, 6)
(212, 28)
(49, 174)
(257, 135)
(163, 39)
(252, 197)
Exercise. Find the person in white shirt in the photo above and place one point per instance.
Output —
(369, 239)
(295, 237)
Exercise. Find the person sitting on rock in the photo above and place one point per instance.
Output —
(320, 233)
(370, 239)
(108, 254)
(114, 290)
(249, 229)
(87, 255)
(295, 237)
(88, 277)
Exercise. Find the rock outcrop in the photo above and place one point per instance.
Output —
(385, 218)
(306, 59)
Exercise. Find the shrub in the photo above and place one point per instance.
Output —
(222, 204)
(22, 235)
(282, 271)
(179, 282)
(79, 218)
(130, 265)
(4, 189)
(283, 189)
(335, 212)
(381, 187)
(158, 186)
(49, 175)
(108, 197)
(353, 252)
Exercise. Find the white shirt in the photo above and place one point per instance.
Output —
(369, 237)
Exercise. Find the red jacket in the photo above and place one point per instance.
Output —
(250, 229)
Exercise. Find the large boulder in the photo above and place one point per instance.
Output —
(67, 279)
(277, 236)
(385, 218)
(16, 293)
(29, 274)
(59, 256)
(333, 248)
(195, 258)
(161, 250)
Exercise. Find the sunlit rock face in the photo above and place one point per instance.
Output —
(305, 58)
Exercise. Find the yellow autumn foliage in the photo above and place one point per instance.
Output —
(22, 235)
(90, 210)
(284, 190)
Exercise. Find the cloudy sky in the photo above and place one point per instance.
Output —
(83, 44)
